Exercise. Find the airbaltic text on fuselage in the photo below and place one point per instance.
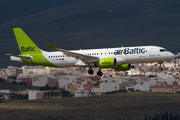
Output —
(27, 49)
(129, 51)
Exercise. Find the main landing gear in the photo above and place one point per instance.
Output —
(90, 71)
(99, 73)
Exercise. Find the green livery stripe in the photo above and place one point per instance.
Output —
(39, 59)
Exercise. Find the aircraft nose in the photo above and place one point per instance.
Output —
(171, 55)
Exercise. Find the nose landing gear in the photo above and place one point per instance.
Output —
(160, 68)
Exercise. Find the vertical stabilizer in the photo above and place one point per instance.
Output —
(26, 45)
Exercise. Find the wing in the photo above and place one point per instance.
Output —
(22, 57)
(84, 58)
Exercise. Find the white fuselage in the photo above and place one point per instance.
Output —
(124, 55)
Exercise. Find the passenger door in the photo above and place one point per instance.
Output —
(151, 52)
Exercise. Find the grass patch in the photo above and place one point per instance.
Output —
(117, 106)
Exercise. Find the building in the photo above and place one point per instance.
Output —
(63, 81)
(35, 94)
(24, 92)
(82, 93)
(18, 71)
(87, 85)
(6, 97)
(5, 91)
(107, 87)
(166, 89)
(42, 81)
(11, 71)
(27, 80)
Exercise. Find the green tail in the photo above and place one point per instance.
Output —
(26, 45)
(29, 49)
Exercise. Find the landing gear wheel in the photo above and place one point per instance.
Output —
(90, 71)
(99, 73)
(161, 69)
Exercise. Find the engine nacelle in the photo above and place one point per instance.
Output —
(123, 67)
(108, 62)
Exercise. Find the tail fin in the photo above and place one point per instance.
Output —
(26, 45)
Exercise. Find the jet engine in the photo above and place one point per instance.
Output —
(123, 67)
(110, 62)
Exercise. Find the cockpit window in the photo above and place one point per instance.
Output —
(163, 50)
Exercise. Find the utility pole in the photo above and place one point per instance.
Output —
(159, 116)
(3, 112)
(151, 117)
(143, 118)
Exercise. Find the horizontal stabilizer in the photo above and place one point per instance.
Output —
(22, 57)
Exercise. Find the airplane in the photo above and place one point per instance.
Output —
(119, 58)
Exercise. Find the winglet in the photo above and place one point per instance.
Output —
(51, 46)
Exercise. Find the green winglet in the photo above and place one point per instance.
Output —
(51, 46)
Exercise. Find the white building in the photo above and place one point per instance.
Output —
(42, 81)
(82, 93)
(106, 87)
(142, 87)
(34, 94)
(5, 91)
(63, 81)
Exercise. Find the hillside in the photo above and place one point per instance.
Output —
(15, 87)
(95, 24)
